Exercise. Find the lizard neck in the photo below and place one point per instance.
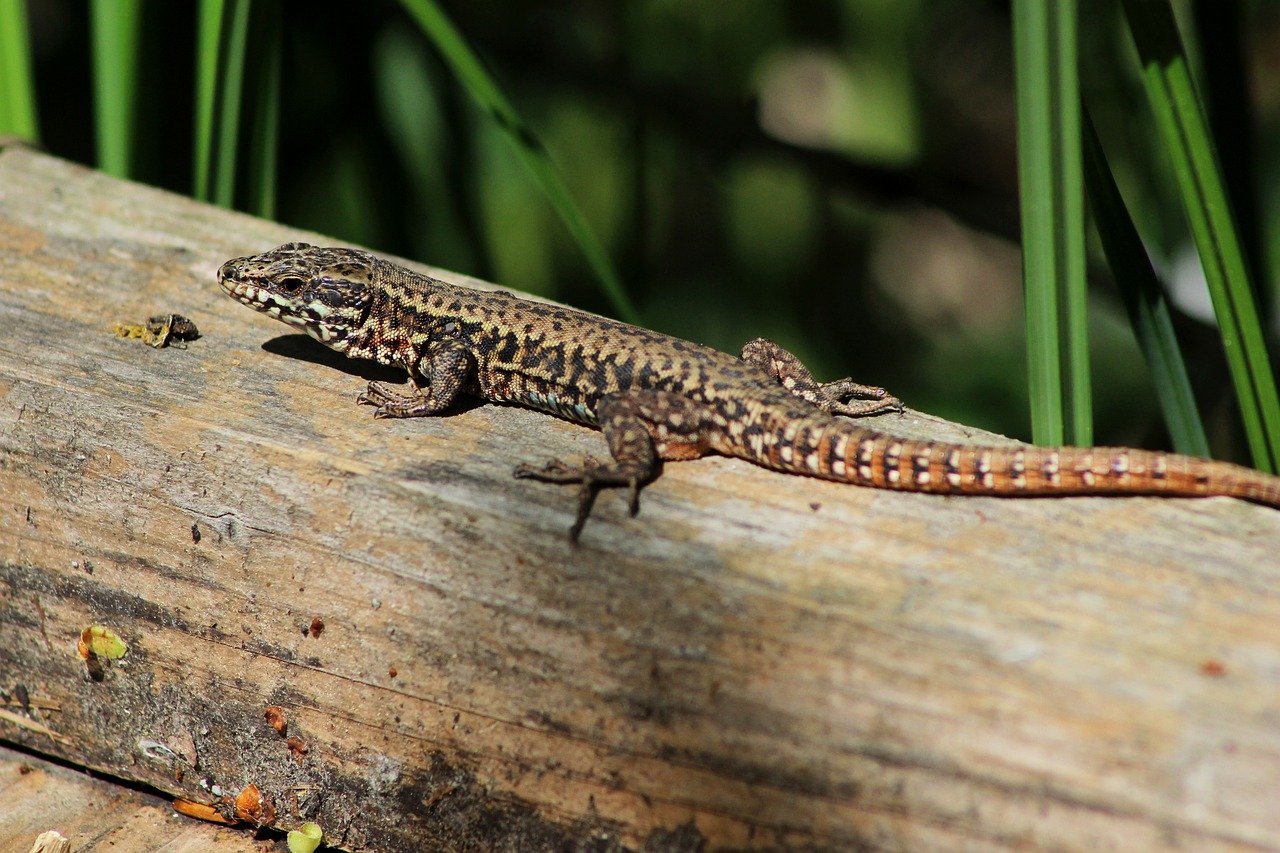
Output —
(400, 319)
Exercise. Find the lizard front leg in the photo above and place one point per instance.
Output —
(642, 428)
(437, 376)
(842, 397)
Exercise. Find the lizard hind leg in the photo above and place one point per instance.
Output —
(841, 397)
(641, 427)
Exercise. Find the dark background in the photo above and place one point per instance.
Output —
(838, 176)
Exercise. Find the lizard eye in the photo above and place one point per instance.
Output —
(292, 284)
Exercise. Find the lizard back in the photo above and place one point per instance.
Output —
(545, 356)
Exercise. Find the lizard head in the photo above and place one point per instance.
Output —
(325, 292)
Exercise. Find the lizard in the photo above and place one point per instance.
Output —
(658, 398)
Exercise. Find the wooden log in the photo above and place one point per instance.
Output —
(757, 660)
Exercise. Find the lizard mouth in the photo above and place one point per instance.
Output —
(261, 299)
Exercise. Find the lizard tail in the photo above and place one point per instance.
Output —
(835, 449)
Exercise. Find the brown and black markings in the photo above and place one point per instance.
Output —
(659, 398)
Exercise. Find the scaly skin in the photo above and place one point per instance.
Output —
(656, 397)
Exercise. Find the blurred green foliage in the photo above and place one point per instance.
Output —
(838, 175)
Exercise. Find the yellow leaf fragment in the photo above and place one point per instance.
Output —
(101, 641)
(305, 839)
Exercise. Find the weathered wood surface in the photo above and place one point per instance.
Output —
(756, 660)
(97, 815)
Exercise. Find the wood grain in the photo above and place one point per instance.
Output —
(757, 660)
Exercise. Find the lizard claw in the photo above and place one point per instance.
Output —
(375, 394)
(586, 499)
(633, 490)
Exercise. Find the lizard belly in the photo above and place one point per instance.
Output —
(564, 405)
(531, 392)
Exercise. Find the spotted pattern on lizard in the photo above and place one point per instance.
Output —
(655, 397)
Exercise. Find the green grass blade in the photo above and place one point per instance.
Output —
(1143, 299)
(1052, 197)
(462, 60)
(232, 49)
(1184, 131)
(116, 24)
(264, 153)
(17, 83)
(1225, 83)
(222, 44)
(208, 33)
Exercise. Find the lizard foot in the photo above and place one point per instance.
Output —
(842, 397)
(390, 404)
(556, 471)
(852, 399)
(593, 476)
